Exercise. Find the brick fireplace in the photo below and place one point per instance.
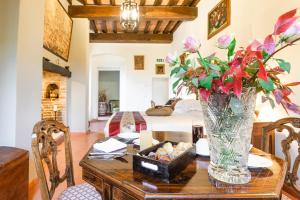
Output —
(54, 96)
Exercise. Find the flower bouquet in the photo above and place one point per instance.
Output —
(228, 88)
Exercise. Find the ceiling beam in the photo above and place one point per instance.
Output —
(115, 30)
(156, 29)
(93, 26)
(176, 26)
(169, 27)
(195, 3)
(182, 13)
(142, 2)
(112, 2)
(173, 2)
(130, 38)
(146, 30)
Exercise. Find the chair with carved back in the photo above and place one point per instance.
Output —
(290, 125)
(44, 149)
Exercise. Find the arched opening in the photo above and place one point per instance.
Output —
(108, 64)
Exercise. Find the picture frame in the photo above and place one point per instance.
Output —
(139, 62)
(219, 18)
(58, 27)
(160, 69)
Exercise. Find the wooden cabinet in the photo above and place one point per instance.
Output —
(14, 169)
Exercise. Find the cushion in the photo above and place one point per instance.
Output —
(172, 102)
(284, 197)
(82, 191)
(159, 111)
(187, 105)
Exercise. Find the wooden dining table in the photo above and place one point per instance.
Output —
(115, 179)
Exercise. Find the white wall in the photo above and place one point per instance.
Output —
(78, 61)
(8, 55)
(136, 87)
(22, 73)
(160, 90)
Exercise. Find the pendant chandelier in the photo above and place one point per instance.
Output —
(129, 17)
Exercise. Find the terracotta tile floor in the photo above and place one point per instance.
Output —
(80, 142)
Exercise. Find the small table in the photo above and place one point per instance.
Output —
(115, 179)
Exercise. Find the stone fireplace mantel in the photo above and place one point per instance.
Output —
(51, 67)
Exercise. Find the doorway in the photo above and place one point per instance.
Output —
(109, 92)
(160, 90)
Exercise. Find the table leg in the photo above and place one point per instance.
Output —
(107, 192)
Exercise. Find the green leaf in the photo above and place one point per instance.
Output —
(185, 67)
(175, 70)
(231, 48)
(214, 67)
(214, 75)
(188, 62)
(286, 66)
(228, 79)
(265, 54)
(268, 86)
(271, 101)
(252, 69)
(195, 82)
(206, 82)
(203, 63)
(180, 72)
(175, 85)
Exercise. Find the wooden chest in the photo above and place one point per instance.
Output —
(14, 166)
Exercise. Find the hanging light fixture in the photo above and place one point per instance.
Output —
(129, 17)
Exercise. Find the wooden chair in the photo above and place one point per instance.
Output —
(288, 124)
(44, 149)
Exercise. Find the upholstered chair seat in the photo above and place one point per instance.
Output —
(81, 192)
(284, 197)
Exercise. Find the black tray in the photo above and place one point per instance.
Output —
(162, 170)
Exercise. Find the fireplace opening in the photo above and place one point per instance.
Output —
(52, 91)
(54, 97)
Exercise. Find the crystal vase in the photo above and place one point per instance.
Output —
(229, 122)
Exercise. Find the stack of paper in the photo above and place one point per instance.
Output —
(110, 145)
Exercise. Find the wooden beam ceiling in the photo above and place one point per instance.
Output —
(130, 38)
(182, 13)
(159, 19)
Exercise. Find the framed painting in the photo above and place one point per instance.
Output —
(219, 18)
(160, 68)
(139, 62)
(57, 29)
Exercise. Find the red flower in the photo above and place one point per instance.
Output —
(204, 93)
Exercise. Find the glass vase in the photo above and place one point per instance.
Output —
(229, 122)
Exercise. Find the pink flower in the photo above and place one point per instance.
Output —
(292, 33)
(191, 44)
(224, 41)
(171, 59)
